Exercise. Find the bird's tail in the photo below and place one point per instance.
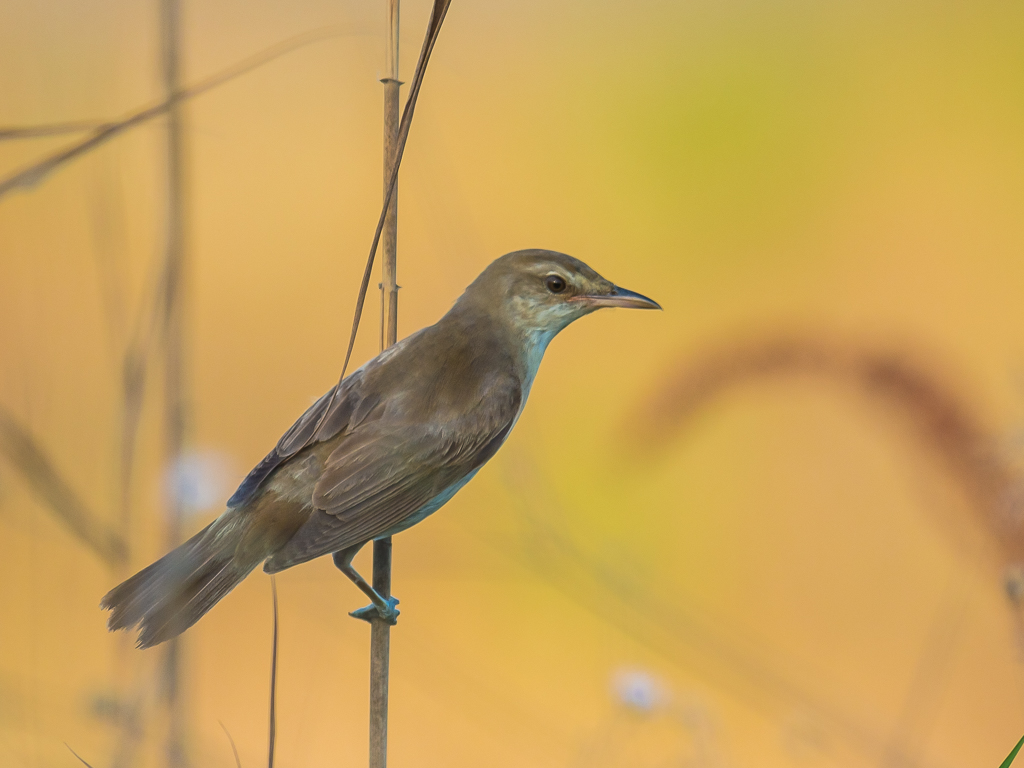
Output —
(169, 596)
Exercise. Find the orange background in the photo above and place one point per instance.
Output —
(781, 569)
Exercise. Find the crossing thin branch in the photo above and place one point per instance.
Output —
(35, 173)
(49, 129)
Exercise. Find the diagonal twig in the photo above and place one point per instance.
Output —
(49, 129)
(437, 14)
(234, 749)
(36, 172)
(80, 758)
(38, 469)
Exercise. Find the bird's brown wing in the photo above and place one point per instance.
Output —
(345, 406)
(382, 474)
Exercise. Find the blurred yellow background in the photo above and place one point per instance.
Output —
(777, 584)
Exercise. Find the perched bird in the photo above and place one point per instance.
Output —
(389, 445)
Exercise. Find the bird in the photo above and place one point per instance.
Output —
(389, 445)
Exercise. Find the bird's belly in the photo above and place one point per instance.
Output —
(430, 507)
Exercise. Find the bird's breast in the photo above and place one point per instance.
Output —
(534, 347)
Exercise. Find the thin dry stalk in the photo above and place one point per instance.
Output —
(380, 631)
(231, 741)
(272, 740)
(29, 458)
(49, 129)
(80, 759)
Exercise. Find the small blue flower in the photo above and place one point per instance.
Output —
(638, 690)
(198, 480)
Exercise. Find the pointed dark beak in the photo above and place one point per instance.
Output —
(620, 297)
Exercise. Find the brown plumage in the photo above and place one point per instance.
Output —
(389, 446)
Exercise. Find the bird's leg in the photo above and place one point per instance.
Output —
(381, 607)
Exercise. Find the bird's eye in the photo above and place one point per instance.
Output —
(555, 284)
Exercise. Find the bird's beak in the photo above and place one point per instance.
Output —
(619, 297)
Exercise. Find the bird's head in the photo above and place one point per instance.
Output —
(541, 292)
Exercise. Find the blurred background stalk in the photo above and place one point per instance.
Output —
(176, 414)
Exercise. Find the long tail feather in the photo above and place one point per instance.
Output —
(169, 596)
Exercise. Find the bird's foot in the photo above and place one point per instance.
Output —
(374, 611)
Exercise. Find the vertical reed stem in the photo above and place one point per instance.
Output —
(389, 287)
(174, 345)
(380, 631)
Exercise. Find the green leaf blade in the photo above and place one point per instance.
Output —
(1009, 758)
